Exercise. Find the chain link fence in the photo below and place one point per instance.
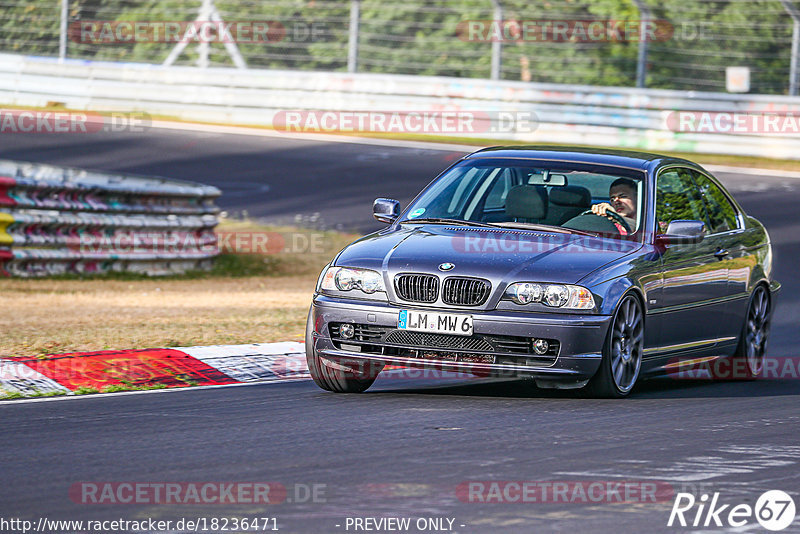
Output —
(669, 44)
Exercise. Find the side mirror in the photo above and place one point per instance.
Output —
(683, 232)
(386, 210)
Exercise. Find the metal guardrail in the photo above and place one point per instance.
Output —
(56, 220)
(695, 42)
(607, 116)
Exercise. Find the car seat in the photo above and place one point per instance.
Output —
(527, 203)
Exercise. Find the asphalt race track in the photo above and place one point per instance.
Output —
(403, 448)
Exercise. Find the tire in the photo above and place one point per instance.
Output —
(622, 352)
(748, 360)
(331, 376)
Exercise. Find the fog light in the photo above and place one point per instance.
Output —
(540, 346)
(346, 331)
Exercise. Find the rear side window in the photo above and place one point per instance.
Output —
(721, 212)
(677, 199)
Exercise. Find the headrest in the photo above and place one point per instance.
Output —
(527, 202)
(571, 195)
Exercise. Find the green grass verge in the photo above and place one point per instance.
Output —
(116, 388)
(6, 395)
(85, 390)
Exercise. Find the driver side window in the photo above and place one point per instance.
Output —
(677, 199)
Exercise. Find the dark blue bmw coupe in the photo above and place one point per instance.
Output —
(578, 268)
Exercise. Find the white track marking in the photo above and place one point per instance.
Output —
(426, 145)
(326, 138)
(16, 377)
(752, 171)
(221, 351)
(14, 402)
(726, 460)
(255, 362)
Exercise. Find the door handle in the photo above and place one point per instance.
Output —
(721, 253)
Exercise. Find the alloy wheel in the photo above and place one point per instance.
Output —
(756, 331)
(627, 340)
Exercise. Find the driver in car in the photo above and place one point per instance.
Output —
(622, 198)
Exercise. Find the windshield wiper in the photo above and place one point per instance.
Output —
(507, 224)
(545, 227)
(443, 220)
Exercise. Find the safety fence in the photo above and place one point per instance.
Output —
(589, 42)
(56, 220)
(648, 119)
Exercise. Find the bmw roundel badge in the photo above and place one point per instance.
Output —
(446, 266)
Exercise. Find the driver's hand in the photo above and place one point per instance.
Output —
(602, 209)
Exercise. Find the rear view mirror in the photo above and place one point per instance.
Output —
(546, 178)
(386, 210)
(683, 232)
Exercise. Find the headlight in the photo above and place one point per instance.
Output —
(552, 295)
(525, 293)
(321, 277)
(556, 296)
(346, 279)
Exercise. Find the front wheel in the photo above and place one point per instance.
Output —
(337, 376)
(622, 352)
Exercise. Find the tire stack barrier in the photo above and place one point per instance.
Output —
(56, 220)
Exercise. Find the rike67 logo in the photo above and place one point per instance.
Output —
(774, 510)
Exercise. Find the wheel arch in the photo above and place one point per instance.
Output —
(770, 294)
(634, 290)
(637, 293)
(603, 383)
(613, 291)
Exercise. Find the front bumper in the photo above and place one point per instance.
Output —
(580, 341)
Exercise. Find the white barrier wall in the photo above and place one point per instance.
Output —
(607, 116)
(56, 220)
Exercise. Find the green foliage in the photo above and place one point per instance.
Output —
(712, 35)
(86, 390)
(30, 28)
(127, 386)
(421, 37)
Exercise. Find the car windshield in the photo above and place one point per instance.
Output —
(538, 195)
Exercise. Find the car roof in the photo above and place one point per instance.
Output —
(600, 156)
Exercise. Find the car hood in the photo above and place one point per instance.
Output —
(502, 256)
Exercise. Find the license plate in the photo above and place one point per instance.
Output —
(439, 323)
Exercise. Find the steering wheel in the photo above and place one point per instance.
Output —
(614, 215)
